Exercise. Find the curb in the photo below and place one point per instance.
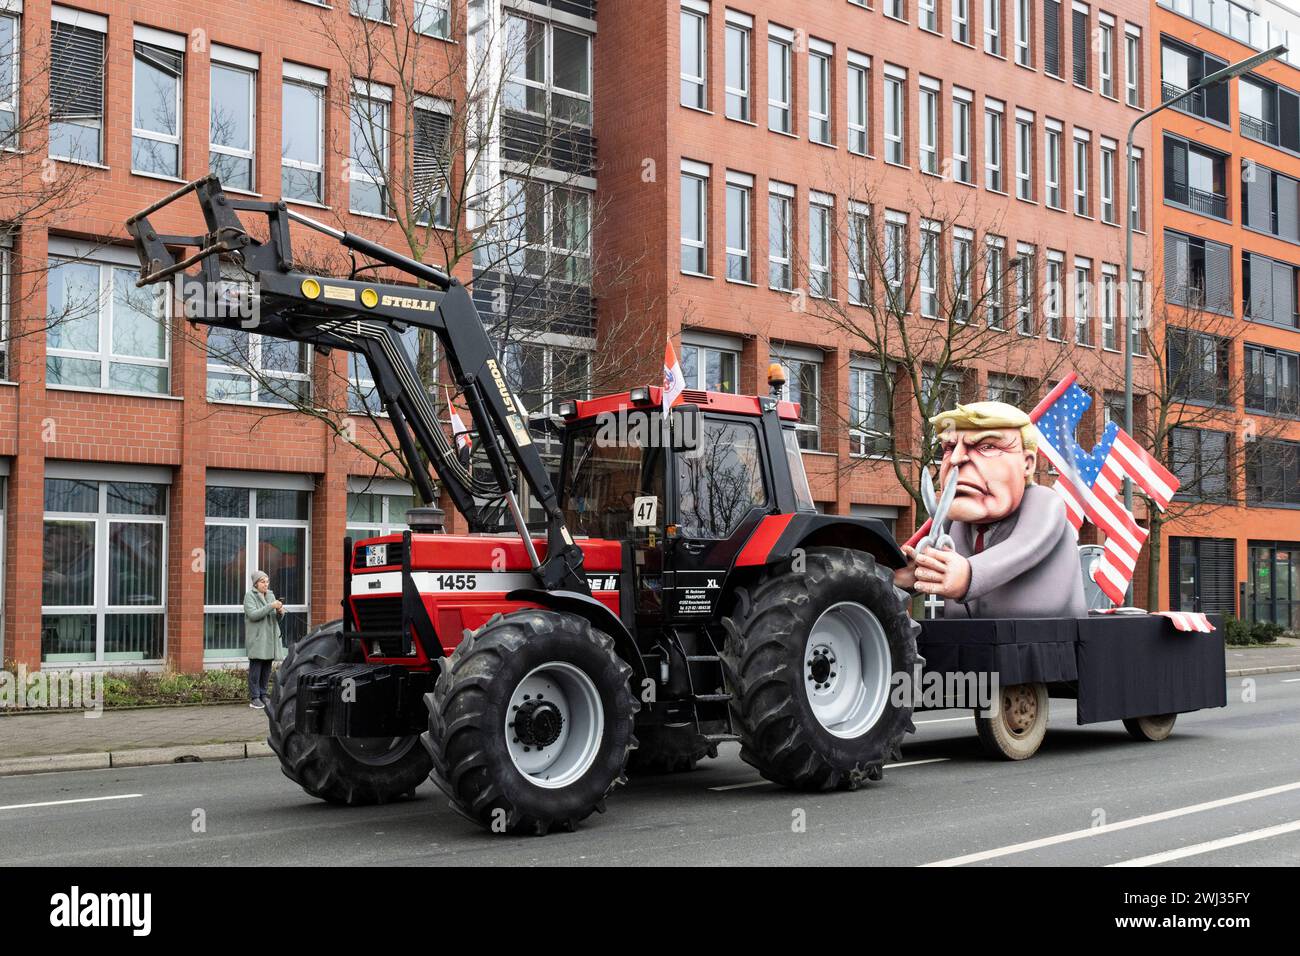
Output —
(141, 757)
(1253, 671)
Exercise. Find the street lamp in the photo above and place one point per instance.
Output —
(1214, 79)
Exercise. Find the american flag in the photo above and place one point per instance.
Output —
(1090, 482)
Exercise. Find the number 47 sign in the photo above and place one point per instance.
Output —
(644, 511)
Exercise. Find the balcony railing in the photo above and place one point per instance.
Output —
(1198, 200)
(1260, 129)
(1194, 104)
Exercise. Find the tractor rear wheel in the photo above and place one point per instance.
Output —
(355, 771)
(1157, 727)
(1016, 731)
(810, 657)
(666, 748)
(531, 722)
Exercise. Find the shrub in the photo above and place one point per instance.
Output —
(1236, 632)
(1265, 632)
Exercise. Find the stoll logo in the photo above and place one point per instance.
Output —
(76, 909)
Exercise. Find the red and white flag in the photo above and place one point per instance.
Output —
(460, 432)
(674, 382)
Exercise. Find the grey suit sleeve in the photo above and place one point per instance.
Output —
(1040, 525)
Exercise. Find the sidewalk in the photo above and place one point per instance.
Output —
(35, 742)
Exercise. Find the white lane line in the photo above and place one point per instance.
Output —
(61, 803)
(1113, 827)
(762, 783)
(943, 720)
(1293, 680)
(1211, 845)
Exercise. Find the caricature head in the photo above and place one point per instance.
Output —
(994, 448)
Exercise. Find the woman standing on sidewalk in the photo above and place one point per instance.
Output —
(262, 612)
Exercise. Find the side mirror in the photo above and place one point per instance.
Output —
(684, 426)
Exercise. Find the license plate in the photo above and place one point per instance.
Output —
(376, 555)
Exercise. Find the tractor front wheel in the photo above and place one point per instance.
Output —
(354, 770)
(531, 722)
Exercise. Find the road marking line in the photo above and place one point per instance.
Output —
(1211, 845)
(61, 803)
(944, 720)
(888, 766)
(1293, 680)
(1113, 827)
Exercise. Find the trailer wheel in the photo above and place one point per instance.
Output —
(809, 659)
(351, 771)
(1016, 731)
(1157, 727)
(531, 722)
(663, 748)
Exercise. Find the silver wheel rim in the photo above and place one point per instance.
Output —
(846, 670)
(565, 691)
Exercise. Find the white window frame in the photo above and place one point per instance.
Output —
(963, 273)
(371, 93)
(780, 42)
(1134, 190)
(9, 99)
(6, 373)
(928, 91)
(546, 86)
(1133, 65)
(1109, 286)
(785, 354)
(1026, 282)
(859, 100)
(820, 263)
(995, 285)
(961, 21)
(1083, 302)
(994, 137)
(424, 24)
(961, 137)
(223, 61)
(783, 195)
(743, 185)
(819, 121)
(385, 489)
(896, 10)
(1054, 296)
(1082, 157)
(698, 14)
(1024, 30)
(859, 253)
(97, 23)
(705, 344)
(362, 10)
(1106, 54)
(895, 260)
(255, 361)
(699, 174)
(743, 26)
(1052, 192)
(993, 27)
(895, 116)
(317, 80)
(927, 15)
(864, 371)
(1025, 155)
(171, 44)
(1107, 173)
(928, 267)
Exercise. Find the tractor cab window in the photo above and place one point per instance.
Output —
(802, 493)
(719, 483)
(609, 467)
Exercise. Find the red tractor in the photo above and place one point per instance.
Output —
(685, 591)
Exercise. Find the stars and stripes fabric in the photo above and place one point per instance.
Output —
(674, 381)
(1090, 484)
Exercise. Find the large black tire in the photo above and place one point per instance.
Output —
(471, 704)
(1016, 731)
(668, 749)
(1154, 728)
(351, 772)
(764, 660)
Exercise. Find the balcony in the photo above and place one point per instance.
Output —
(1198, 200)
(1198, 104)
(1259, 129)
(536, 141)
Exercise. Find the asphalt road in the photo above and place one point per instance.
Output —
(1223, 790)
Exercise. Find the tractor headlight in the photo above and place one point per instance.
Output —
(640, 395)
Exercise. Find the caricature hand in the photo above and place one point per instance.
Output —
(905, 577)
(945, 573)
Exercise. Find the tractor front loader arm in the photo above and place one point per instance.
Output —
(368, 318)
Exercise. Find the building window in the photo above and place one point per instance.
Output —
(695, 32)
(232, 126)
(927, 15)
(1257, 110)
(1083, 304)
(1203, 575)
(1053, 297)
(993, 148)
(1024, 33)
(1009, 389)
(803, 386)
(1108, 185)
(76, 93)
(1106, 57)
(1026, 278)
(156, 131)
(895, 118)
(859, 224)
(1269, 201)
(928, 268)
(373, 513)
(858, 93)
(896, 261)
(1198, 273)
(1109, 296)
(940, 392)
(1196, 178)
(102, 332)
(555, 241)
(995, 266)
(369, 9)
(710, 369)
(779, 84)
(928, 133)
(896, 9)
(1052, 167)
(545, 373)
(739, 42)
(1132, 65)
(961, 21)
(961, 170)
(1135, 190)
(695, 211)
(962, 267)
(1079, 45)
(780, 222)
(1183, 67)
(431, 163)
(869, 431)
(246, 367)
(1269, 290)
(1137, 306)
(820, 216)
(739, 229)
(1198, 367)
(1052, 38)
(1273, 472)
(1199, 459)
(1082, 203)
(1272, 381)
(819, 94)
(302, 141)
(363, 394)
(368, 166)
(548, 70)
(1273, 585)
(993, 27)
(9, 80)
(1025, 157)
(103, 595)
(433, 18)
(5, 279)
(247, 530)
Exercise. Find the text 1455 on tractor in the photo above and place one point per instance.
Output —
(685, 591)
